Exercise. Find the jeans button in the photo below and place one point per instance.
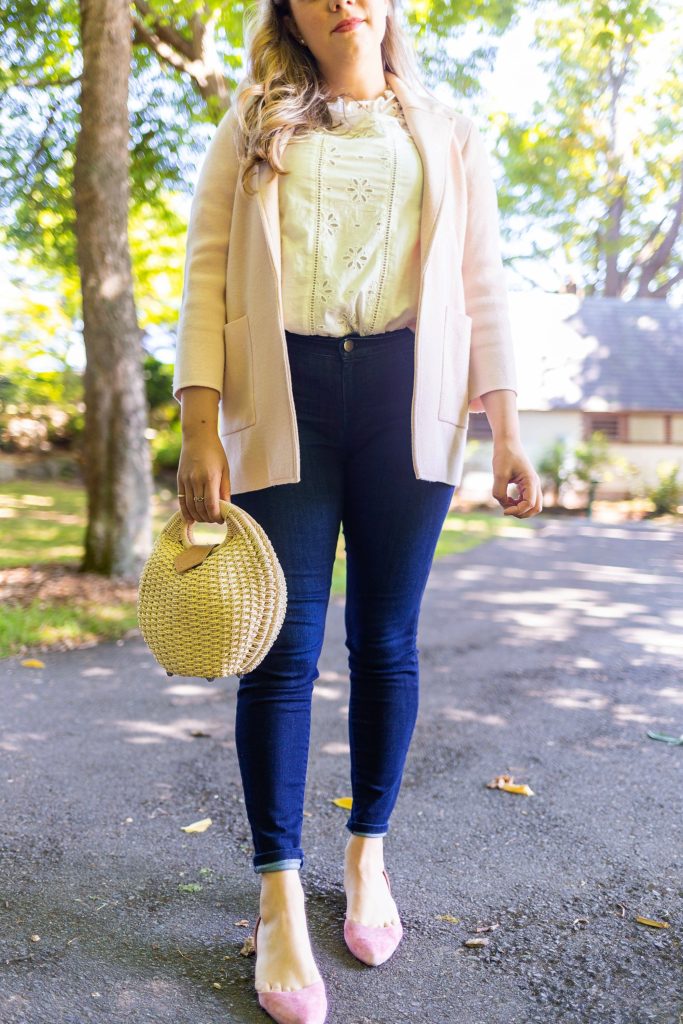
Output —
(348, 345)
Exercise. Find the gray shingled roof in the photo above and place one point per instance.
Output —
(597, 354)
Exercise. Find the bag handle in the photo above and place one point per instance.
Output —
(231, 521)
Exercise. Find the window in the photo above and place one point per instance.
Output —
(647, 428)
(612, 424)
(636, 427)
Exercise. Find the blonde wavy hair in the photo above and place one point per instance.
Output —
(283, 92)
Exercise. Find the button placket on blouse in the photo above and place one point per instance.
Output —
(365, 118)
(361, 191)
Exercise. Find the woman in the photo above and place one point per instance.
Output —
(349, 311)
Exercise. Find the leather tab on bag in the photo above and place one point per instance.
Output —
(189, 557)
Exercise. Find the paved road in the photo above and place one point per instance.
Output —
(547, 655)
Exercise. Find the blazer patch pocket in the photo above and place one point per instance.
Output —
(455, 364)
(238, 406)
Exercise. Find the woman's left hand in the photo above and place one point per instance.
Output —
(511, 465)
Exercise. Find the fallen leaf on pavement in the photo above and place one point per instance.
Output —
(197, 826)
(343, 801)
(653, 924)
(505, 782)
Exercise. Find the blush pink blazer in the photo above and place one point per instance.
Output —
(231, 331)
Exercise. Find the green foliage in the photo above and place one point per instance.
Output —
(588, 463)
(591, 458)
(597, 163)
(554, 465)
(164, 416)
(53, 401)
(564, 168)
(40, 62)
(431, 22)
(170, 119)
(166, 445)
(158, 383)
(39, 409)
(667, 495)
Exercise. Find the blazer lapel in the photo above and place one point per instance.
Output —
(431, 130)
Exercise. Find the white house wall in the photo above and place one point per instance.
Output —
(539, 430)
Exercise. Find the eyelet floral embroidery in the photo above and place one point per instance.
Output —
(350, 212)
(355, 257)
(330, 221)
(360, 190)
(332, 154)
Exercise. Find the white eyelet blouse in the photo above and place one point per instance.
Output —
(350, 222)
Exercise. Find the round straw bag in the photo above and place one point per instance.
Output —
(212, 610)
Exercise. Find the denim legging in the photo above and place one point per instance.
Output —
(353, 398)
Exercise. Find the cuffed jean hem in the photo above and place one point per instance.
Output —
(368, 830)
(278, 865)
(294, 859)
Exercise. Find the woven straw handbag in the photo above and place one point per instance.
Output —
(211, 610)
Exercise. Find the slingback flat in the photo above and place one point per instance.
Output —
(307, 1005)
(373, 944)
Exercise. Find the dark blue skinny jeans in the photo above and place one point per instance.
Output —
(353, 399)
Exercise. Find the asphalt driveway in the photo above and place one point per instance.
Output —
(547, 655)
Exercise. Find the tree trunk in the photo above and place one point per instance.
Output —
(116, 456)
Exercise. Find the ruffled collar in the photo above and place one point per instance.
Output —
(377, 104)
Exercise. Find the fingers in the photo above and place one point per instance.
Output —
(500, 493)
(208, 510)
(210, 505)
(193, 511)
(529, 503)
(219, 491)
(224, 491)
(526, 507)
(200, 506)
(182, 502)
(521, 511)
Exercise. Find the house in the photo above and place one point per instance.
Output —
(586, 363)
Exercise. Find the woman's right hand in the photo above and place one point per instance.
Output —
(203, 470)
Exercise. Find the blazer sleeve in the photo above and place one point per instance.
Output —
(492, 360)
(200, 351)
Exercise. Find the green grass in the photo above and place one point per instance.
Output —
(62, 624)
(43, 523)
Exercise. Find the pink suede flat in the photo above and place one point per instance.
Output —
(372, 944)
(307, 1005)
